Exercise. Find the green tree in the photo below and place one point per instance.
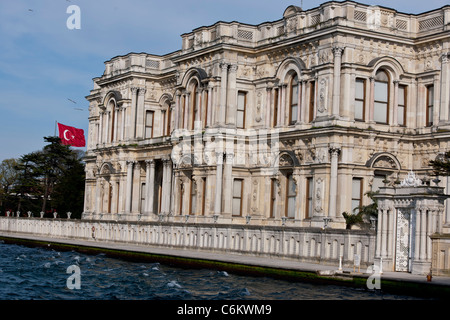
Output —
(362, 214)
(51, 179)
(8, 178)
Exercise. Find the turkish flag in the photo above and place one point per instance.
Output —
(71, 136)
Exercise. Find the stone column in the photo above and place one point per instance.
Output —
(140, 118)
(219, 175)
(379, 229)
(268, 105)
(132, 119)
(223, 93)
(228, 183)
(445, 86)
(304, 107)
(395, 112)
(177, 111)
(150, 185)
(437, 100)
(283, 105)
(299, 101)
(166, 186)
(423, 234)
(337, 80)
(384, 233)
(187, 106)
(100, 130)
(278, 122)
(98, 199)
(334, 154)
(417, 234)
(116, 115)
(136, 194)
(106, 134)
(231, 95)
(129, 187)
(209, 117)
(122, 131)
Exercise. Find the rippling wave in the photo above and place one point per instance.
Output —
(41, 274)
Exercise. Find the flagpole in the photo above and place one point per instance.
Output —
(56, 122)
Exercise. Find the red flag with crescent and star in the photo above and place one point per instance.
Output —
(71, 136)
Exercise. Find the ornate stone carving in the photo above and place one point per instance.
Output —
(385, 162)
(411, 180)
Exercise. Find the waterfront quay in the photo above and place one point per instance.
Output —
(247, 264)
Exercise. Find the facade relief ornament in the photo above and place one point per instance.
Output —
(318, 196)
(411, 180)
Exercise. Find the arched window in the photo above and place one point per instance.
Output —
(194, 107)
(112, 112)
(381, 97)
(293, 107)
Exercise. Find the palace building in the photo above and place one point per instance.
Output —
(289, 122)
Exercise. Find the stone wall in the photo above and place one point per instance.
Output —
(318, 245)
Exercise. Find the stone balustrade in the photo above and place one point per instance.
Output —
(305, 244)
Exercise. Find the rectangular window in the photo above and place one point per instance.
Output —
(309, 198)
(430, 105)
(275, 108)
(203, 195)
(294, 102)
(290, 196)
(312, 98)
(193, 199)
(273, 198)
(381, 102)
(149, 120)
(360, 98)
(401, 108)
(240, 113)
(356, 194)
(237, 197)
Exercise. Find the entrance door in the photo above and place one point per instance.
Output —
(403, 240)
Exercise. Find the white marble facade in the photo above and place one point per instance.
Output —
(282, 123)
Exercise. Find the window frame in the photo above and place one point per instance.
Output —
(239, 111)
(404, 105)
(309, 197)
(152, 126)
(428, 106)
(360, 195)
(388, 82)
(241, 181)
(363, 100)
(291, 99)
(289, 179)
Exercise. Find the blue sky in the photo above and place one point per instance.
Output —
(46, 70)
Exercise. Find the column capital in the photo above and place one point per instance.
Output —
(150, 162)
(445, 57)
(130, 163)
(337, 51)
(134, 90)
(224, 65)
(142, 91)
(219, 157)
(334, 150)
(233, 67)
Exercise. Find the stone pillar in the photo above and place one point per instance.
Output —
(166, 186)
(283, 105)
(231, 95)
(445, 86)
(129, 187)
(98, 199)
(337, 80)
(150, 185)
(100, 130)
(136, 194)
(379, 230)
(278, 122)
(223, 93)
(384, 232)
(268, 105)
(122, 131)
(132, 119)
(228, 183)
(219, 175)
(116, 121)
(106, 134)
(395, 113)
(334, 154)
(299, 101)
(304, 107)
(177, 111)
(187, 111)
(140, 118)
(417, 234)
(209, 117)
(423, 234)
